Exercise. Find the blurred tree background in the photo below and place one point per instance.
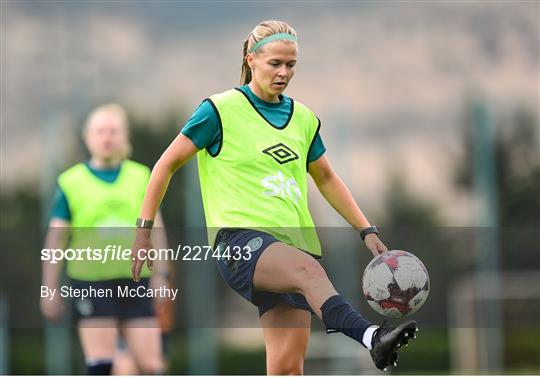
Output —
(517, 162)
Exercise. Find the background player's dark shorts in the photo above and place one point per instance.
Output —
(122, 308)
(239, 273)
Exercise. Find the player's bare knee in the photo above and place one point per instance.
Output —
(152, 366)
(290, 371)
(311, 275)
(286, 365)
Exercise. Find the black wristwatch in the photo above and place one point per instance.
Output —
(370, 229)
(143, 223)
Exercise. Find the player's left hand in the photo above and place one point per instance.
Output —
(375, 245)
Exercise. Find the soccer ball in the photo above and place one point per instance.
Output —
(395, 283)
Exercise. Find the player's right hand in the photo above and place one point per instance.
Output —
(52, 308)
(143, 243)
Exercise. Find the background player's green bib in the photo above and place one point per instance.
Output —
(103, 213)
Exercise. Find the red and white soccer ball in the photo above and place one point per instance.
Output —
(396, 283)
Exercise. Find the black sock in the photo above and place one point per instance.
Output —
(339, 315)
(99, 367)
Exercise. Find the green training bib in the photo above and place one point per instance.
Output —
(103, 213)
(258, 177)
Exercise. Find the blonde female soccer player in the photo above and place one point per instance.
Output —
(96, 201)
(255, 148)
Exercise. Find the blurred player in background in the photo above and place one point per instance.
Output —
(96, 204)
(255, 147)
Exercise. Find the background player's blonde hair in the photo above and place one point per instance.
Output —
(119, 112)
(262, 30)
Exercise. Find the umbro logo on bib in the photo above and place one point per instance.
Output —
(281, 153)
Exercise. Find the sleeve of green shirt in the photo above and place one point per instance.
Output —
(317, 149)
(204, 131)
(60, 207)
(203, 127)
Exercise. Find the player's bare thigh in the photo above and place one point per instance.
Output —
(284, 269)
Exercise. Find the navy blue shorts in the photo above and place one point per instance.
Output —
(121, 308)
(239, 273)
